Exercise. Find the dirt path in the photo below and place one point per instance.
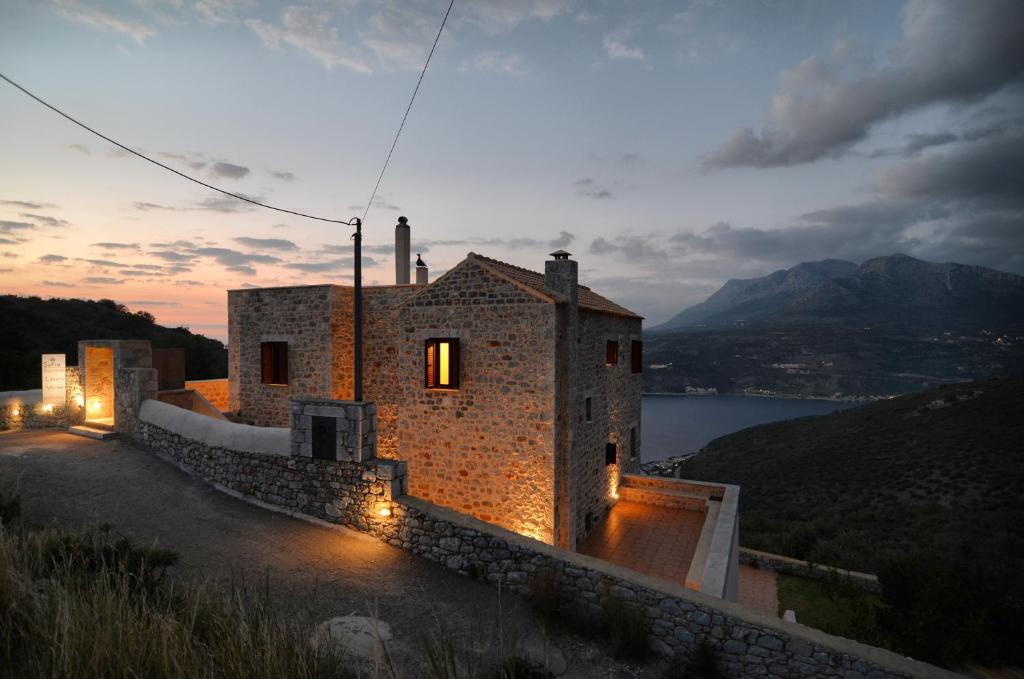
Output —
(72, 482)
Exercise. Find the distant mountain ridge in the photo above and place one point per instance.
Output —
(896, 291)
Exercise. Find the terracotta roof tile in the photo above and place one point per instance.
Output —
(588, 299)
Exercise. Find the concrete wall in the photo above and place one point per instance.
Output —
(214, 391)
(354, 494)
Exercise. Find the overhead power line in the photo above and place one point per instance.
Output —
(169, 169)
(407, 109)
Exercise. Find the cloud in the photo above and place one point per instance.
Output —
(145, 207)
(229, 170)
(52, 259)
(232, 258)
(343, 264)
(147, 302)
(243, 269)
(266, 243)
(283, 176)
(189, 283)
(10, 227)
(57, 284)
(503, 16)
(825, 106)
(9, 255)
(616, 47)
(102, 280)
(104, 20)
(97, 262)
(562, 241)
(225, 204)
(634, 249)
(81, 148)
(116, 246)
(222, 11)
(28, 205)
(44, 219)
(170, 256)
(590, 188)
(309, 31)
(495, 61)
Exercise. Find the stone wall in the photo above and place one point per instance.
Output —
(369, 497)
(806, 569)
(299, 316)
(614, 392)
(214, 391)
(487, 448)
(132, 386)
(25, 409)
(355, 428)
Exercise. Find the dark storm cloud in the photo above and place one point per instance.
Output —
(266, 243)
(951, 52)
(229, 170)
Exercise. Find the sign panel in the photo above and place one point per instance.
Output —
(54, 386)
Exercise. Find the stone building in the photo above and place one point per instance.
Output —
(514, 396)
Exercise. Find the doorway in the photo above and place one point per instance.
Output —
(99, 385)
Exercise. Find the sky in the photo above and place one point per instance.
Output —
(670, 146)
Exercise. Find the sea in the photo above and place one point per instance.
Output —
(674, 425)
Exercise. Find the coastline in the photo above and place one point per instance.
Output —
(843, 399)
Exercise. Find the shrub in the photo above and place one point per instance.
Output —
(545, 596)
(626, 627)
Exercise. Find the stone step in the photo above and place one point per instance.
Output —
(92, 432)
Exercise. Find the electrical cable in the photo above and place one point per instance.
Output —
(171, 169)
(407, 109)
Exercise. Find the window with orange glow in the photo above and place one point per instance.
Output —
(441, 363)
(611, 353)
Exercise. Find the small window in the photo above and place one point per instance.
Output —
(632, 442)
(589, 408)
(441, 363)
(611, 353)
(611, 453)
(274, 362)
(637, 357)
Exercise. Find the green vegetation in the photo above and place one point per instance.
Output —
(926, 490)
(833, 606)
(33, 326)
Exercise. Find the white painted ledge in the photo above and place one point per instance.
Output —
(217, 433)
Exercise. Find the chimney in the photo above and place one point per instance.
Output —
(421, 270)
(402, 251)
(561, 275)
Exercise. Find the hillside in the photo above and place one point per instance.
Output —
(928, 473)
(33, 326)
(893, 293)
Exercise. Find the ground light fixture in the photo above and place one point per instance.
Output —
(384, 510)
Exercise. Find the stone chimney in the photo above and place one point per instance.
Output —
(561, 275)
(421, 270)
(402, 252)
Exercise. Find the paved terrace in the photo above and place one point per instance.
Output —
(651, 539)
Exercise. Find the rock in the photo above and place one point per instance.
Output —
(540, 652)
(358, 635)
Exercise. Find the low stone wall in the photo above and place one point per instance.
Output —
(214, 391)
(369, 496)
(806, 569)
(25, 409)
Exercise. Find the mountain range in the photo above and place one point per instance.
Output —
(894, 292)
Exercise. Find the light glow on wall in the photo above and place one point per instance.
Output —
(79, 400)
(15, 411)
(47, 408)
(95, 405)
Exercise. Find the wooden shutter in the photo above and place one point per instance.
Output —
(611, 353)
(274, 363)
(430, 364)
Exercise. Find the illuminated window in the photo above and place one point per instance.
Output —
(589, 408)
(633, 449)
(274, 362)
(637, 356)
(611, 453)
(611, 353)
(441, 363)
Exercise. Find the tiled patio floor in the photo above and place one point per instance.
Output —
(758, 589)
(658, 541)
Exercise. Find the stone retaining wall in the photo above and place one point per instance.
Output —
(806, 569)
(369, 496)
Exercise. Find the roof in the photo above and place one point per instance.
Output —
(588, 299)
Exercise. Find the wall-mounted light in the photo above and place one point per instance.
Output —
(15, 412)
(47, 408)
(79, 400)
(384, 510)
